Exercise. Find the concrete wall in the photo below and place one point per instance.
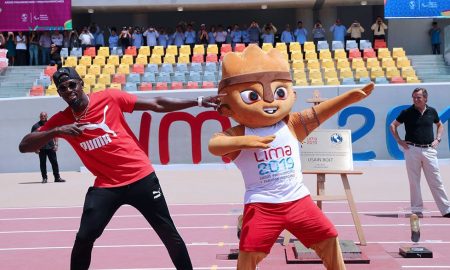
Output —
(19, 114)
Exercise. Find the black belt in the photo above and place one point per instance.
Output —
(419, 145)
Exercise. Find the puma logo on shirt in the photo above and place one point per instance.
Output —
(100, 140)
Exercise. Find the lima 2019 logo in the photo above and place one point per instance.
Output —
(336, 138)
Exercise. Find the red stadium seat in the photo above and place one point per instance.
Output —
(161, 86)
(211, 58)
(197, 58)
(131, 50)
(239, 47)
(354, 53)
(226, 48)
(146, 86)
(90, 51)
(138, 68)
(119, 78)
(37, 90)
(369, 53)
(397, 79)
(379, 43)
(192, 85)
(49, 70)
(207, 84)
(176, 85)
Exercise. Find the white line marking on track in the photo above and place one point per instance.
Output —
(427, 266)
(195, 267)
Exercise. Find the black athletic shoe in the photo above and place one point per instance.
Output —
(44, 180)
(59, 180)
(447, 215)
(415, 228)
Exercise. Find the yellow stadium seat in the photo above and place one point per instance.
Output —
(185, 49)
(115, 86)
(199, 49)
(345, 73)
(81, 70)
(299, 75)
(98, 87)
(372, 63)
(170, 59)
(127, 59)
(315, 74)
(301, 82)
(358, 63)
(398, 52)
(310, 55)
(315, 82)
(297, 55)
(103, 51)
(298, 64)
(325, 54)
(144, 50)
(104, 79)
(383, 53)
(412, 80)
(340, 54)
(113, 60)
(183, 58)
(361, 72)
(281, 46)
(309, 46)
(172, 49)
(392, 72)
(267, 46)
(403, 62)
(99, 60)
(408, 72)
(87, 89)
(85, 60)
(295, 47)
(332, 81)
(387, 62)
(376, 72)
(342, 63)
(142, 59)
(89, 79)
(159, 50)
(123, 69)
(330, 73)
(327, 63)
(109, 69)
(51, 90)
(94, 70)
(313, 64)
(212, 49)
(71, 61)
(155, 59)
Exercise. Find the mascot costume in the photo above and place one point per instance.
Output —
(256, 91)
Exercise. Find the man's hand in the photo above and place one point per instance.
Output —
(403, 144)
(72, 129)
(212, 101)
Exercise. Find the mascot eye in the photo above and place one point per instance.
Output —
(250, 96)
(281, 93)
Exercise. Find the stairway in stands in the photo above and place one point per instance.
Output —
(430, 68)
(17, 81)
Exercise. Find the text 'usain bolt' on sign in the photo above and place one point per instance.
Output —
(327, 150)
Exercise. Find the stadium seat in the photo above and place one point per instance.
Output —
(212, 49)
(64, 52)
(99, 60)
(397, 79)
(116, 51)
(315, 74)
(51, 90)
(49, 70)
(145, 86)
(239, 47)
(71, 61)
(195, 76)
(185, 49)
(181, 67)
(169, 59)
(130, 87)
(113, 60)
(159, 50)
(316, 82)
(166, 68)
(208, 84)
(115, 86)
(179, 77)
(309, 46)
(330, 73)
(209, 76)
(364, 80)
(361, 73)
(408, 72)
(297, 55)
(351, 44)
(142, 59)
(123, 69)
(196, 67)
(225, 48)
(104, 79)
(109, 69)
(325, 54)
(403, 62)
(211, 58)
(412, 80)
(281, 46)
(163, 77)
(211, 66)
(376, 73)
(379, 43)
(348, 81)
(127, 59)
(392, 72)
(310, 55)
(148, 77)
(77, 52)
(398, 52)
(119, 78)
(151, 68)
(155, 59)
(131, 50)
(313, 64)
(354, 54)
(298, 64)
(90, 51)
(342, 63)
(192, 85)
(98, 87)
(340, 54)
(372, 63)
(103, 51)
(138, 68)
(183, 58)
(162, 86)
(381, 80)
(364, 44)
(134, 77)
(144, 50)
(94, 70)
(387, 62)
(199, 49)
(171, 49)
(299, 75)
(369, 53)
(197, 58)
(323, 45)
(301, 82)
(176, 85)
(332, 81)
(345, 73)
(327, 63)
(337, 44)
(37, 90)
(89, 79)
(358, 63)
(383, 53)
(81, 70)
(85, 60)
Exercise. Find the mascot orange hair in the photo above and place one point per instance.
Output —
(257, 93)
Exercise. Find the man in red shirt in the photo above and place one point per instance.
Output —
(95, 127)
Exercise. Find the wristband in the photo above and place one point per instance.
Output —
(200, 101)
(438, 139)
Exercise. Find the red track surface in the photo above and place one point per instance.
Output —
(42, 238)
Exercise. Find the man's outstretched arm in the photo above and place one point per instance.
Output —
(167, 104)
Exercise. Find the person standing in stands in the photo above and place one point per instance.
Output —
(254, 32)
(286, 35)
(355, 31)
(435, 34)
(34, 48)
(419, 148)
(339, 31)
(113, 39)
(301, 34)
(318, 33)
(379, 29)
(96, 128)
(236, 35)
(47, 150)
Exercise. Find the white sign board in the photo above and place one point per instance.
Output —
(327, 150)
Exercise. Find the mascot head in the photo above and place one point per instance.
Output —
(257, 87)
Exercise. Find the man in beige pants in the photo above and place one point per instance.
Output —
(419, 147)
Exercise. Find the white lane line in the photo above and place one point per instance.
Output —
(195, 267)
(427, 266)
